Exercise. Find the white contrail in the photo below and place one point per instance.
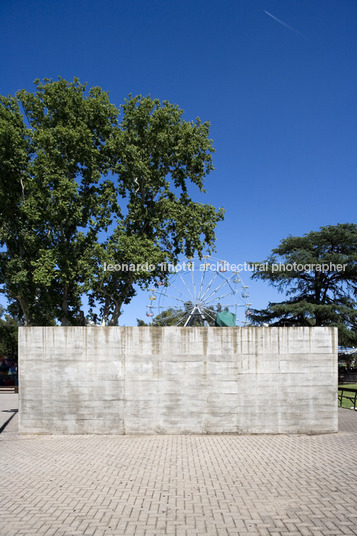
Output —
(283, 23)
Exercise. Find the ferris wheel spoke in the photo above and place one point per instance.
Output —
(201, 282)
(217, 289)
(182, 293)
(172, 297)
(209, 313)
(194, 284)
(220, 297)
(181, 320)
(188, 317)
(209, 286)
(184, 282)
(195, 299)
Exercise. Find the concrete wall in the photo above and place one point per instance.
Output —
(133, 380)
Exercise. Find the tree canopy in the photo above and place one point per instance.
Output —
(84, 183)
(318, 272)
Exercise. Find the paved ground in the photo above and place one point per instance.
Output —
(177, 485)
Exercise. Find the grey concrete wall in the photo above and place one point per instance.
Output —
(134, 380)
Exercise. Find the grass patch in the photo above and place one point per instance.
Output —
(345, 402)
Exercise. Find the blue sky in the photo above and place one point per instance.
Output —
(281, 101)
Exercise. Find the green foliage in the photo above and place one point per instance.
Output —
(170, 317)
(318, 296)
(79, 188)
(177, 317)
(8, 335)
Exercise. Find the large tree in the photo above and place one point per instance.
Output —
(318, 273)
(54, 199)
(79, 188)
(156, 155)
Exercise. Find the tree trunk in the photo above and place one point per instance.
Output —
(116, 314)
(24, 309)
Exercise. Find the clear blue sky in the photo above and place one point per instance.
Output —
(281, 97)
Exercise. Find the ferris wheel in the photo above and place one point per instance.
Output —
(196, 291)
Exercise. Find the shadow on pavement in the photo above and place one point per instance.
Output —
(13, 411)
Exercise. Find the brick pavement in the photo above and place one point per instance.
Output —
(221, 485)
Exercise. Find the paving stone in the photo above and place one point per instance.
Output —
(215, 485)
